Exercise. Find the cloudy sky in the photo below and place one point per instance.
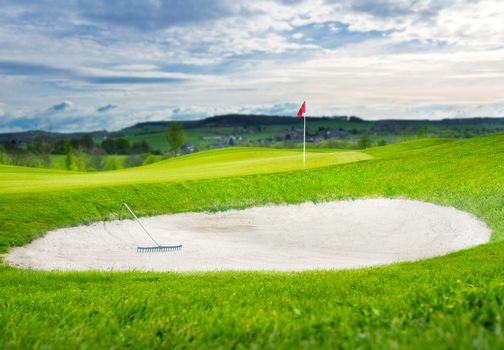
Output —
(72, 65)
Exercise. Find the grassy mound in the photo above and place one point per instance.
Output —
(454, 301)
(202, 165)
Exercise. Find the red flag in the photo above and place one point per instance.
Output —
(302, 110)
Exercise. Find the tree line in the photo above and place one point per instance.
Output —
(82, 154)
(88, 154)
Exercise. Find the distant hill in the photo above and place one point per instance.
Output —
(227, 120)
(253, 121)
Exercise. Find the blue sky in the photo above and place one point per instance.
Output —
(73, 65)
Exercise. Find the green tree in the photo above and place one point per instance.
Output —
(140, 147)
(69, 155)
(404, 136)
(175, 136)
(80, 159)
(109, 146)
(4, 156)
(422, 131)
(364, 141)
(122, 145)
(41, 149)
(382, 143)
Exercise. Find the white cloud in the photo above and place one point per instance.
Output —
(436, 54)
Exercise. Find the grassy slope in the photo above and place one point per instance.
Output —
(398, 149)
(201, 165)
(447, 302)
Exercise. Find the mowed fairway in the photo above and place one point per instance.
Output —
(203, 165)
(450, 302)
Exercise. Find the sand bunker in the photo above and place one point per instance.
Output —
(344, 234)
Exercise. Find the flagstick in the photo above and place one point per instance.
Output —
(304, 142)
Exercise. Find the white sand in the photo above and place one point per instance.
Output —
(344, 234)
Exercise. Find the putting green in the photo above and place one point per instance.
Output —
(202, 165)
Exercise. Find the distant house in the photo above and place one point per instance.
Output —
(336, 133)
(187, 148)
(291, 135)
(317, 138)
(232, 140)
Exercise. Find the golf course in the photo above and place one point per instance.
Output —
(450, 301)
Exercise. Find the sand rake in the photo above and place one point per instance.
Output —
(157, 247)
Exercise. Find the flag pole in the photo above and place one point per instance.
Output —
(304, 141)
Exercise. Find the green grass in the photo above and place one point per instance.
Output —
(398, 149)
(201, 165)
(456, 301)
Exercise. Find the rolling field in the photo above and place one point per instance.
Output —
(455, 301)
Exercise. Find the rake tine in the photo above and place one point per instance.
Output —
(169, 248)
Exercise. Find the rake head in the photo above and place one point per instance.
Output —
(156, 249)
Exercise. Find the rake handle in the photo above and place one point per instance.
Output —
(140, 223)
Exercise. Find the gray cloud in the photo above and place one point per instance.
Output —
(154, 15)
(132, 80)
(20, 68)
(61, 106)
(424, 9)
(29, 68)
(107, 107)
(382, 8)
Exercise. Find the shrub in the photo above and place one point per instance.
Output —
(364, 141)
(151, 159)
(111, 163)
(134, 160)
